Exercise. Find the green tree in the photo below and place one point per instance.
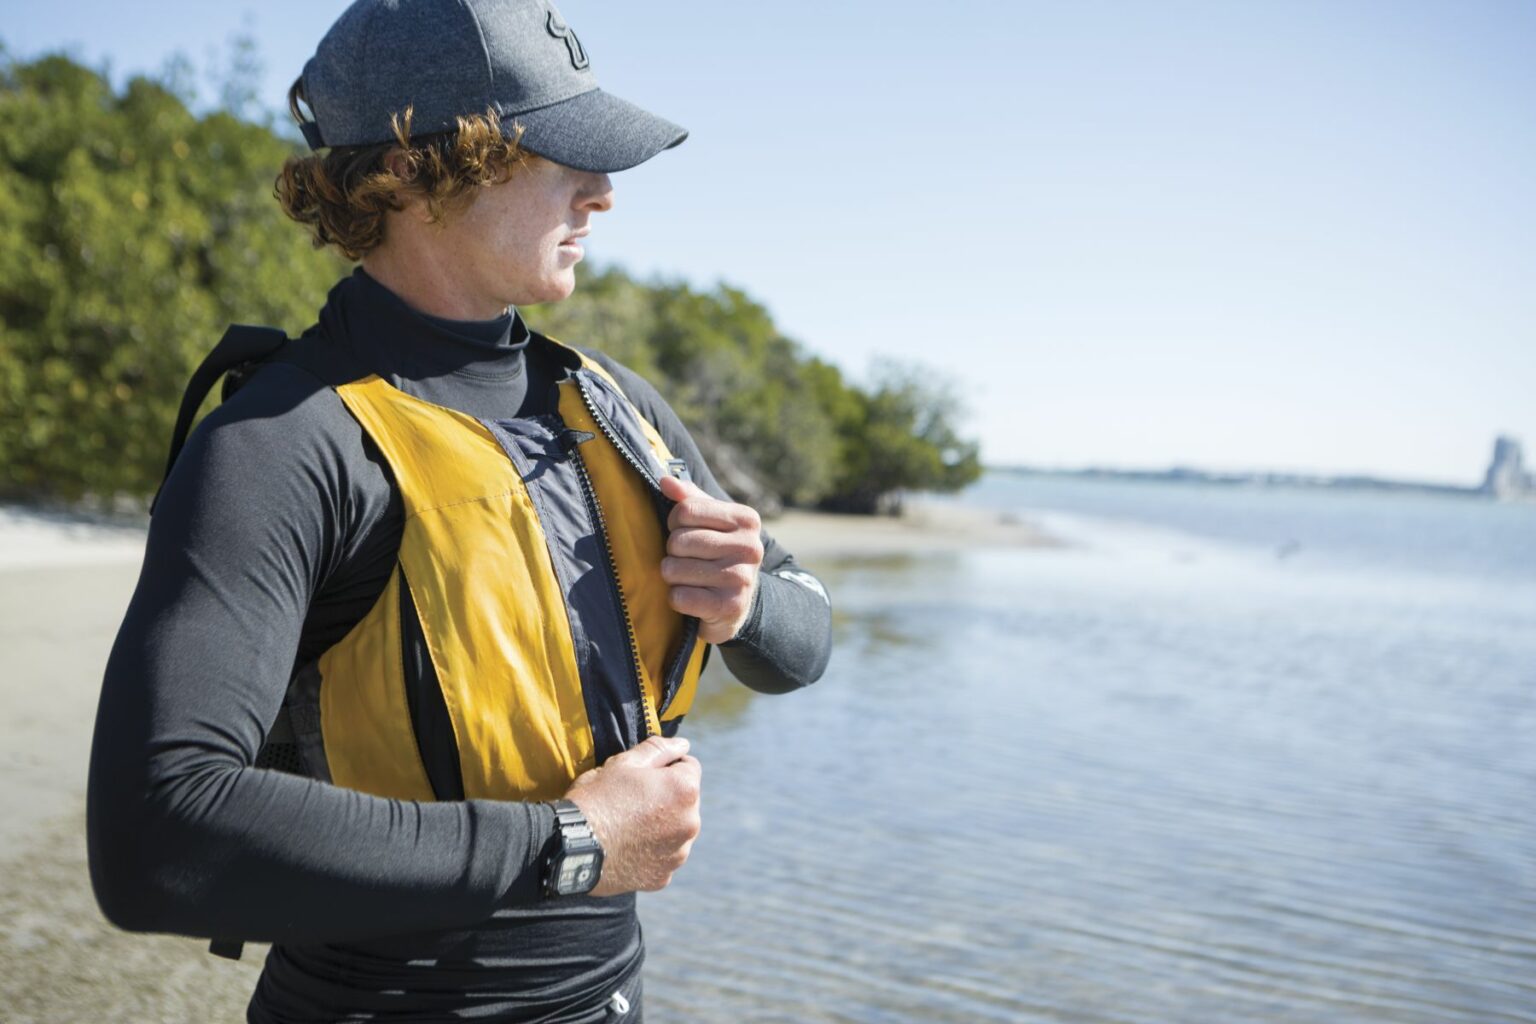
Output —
(901, 436)
(131, 233)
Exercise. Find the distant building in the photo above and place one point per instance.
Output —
(1507, 476)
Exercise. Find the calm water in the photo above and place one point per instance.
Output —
(1235, 756)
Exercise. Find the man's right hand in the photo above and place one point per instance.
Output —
(643, 804)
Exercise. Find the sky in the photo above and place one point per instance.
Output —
(1293, 236)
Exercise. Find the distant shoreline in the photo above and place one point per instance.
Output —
(1300, 481)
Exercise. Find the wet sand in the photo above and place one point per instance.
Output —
(62, 961)
(925, 527)
(64, 583)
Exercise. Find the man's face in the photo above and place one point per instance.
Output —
(518, 243)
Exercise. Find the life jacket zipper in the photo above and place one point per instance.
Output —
(600, 525)
(673, 676)
(612, 435)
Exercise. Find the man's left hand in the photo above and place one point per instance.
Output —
(713, 556)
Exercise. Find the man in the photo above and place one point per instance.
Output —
(460, 566)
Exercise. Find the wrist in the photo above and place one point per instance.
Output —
(748, 627)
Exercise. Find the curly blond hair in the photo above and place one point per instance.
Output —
(342, 195)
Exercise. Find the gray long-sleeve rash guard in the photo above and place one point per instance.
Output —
(273, 536)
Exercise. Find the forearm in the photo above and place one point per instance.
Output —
(186, 836)
(239, 852)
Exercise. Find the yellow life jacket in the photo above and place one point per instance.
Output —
(528, 584)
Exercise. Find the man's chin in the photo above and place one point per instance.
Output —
(559, 287)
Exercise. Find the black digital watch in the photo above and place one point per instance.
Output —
(576, 862)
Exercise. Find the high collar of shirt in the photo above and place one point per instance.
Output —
(397, 341)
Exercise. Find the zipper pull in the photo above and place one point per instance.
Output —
(570, 437)
(679, 469)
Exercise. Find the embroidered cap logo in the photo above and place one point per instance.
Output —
(560, 30)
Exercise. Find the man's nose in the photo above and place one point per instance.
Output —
(598, 193)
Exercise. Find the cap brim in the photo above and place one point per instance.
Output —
(596, 131)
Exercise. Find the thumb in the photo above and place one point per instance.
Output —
(677, 490)
(656, 752)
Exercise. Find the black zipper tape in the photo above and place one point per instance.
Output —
(600, 526)
(673, 677)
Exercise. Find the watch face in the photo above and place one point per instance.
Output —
(578, 873)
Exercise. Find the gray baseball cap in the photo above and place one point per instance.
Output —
(451, 58)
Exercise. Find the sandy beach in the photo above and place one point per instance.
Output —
(926, 526)
(64, 584)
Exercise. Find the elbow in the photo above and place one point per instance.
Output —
(774, 685)
(119, 878)
(790, 680)
(119, 907)
(146, 870)
(807, 674)
(816, 671)
(156, 809)
(115, 812)
(767, 676)
(146, 879)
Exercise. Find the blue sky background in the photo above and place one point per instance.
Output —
(1225, 234)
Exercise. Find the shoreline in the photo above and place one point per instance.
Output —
(35, 537)
(39, 537)
(926, 526)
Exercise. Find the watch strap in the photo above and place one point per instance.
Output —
(568, 816)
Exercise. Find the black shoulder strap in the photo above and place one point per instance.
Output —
(241, 344)
(331, 362)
